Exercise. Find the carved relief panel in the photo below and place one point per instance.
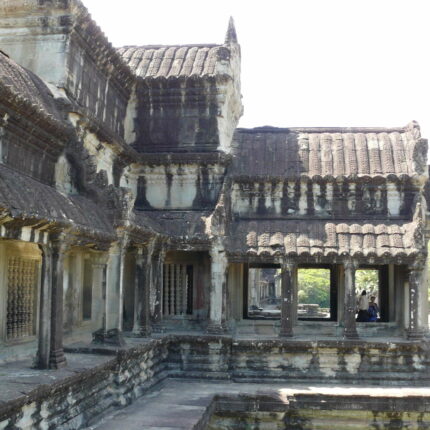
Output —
(21, 297)
(20, 278)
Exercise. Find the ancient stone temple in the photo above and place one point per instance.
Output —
(135, 216)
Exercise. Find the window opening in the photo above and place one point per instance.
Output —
(21, 293)
(314, 293)
(177, 289)
(371, 281)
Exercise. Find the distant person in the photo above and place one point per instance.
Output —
(363, 307)
(373, 309)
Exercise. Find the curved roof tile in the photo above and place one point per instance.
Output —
(320, 238)
(173, 61)
(297, 152)
(26, 86)
(27, 198)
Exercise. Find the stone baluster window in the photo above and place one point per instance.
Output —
(177, 289)
(21, 297)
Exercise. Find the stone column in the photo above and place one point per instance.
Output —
(288, 304)
(111, 319)
(142, 324)
(350, 326)
(44, 338)
(217, 290)
(99, 290)
(122, 254)
(56, 355)
(157, 283)
(416, 295)
(111, 332)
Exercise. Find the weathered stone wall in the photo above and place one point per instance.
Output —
(77, 401)
(330, 361)
(200, 357)
(60, 42)
(188, 121)
(323, 199)
(356, 362)
(97, 80)
(179, 186)
(274, 411)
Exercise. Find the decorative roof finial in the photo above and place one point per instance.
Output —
(231, 36)
(415, 129)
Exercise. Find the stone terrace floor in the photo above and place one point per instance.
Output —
(181, 404)
(17, 378)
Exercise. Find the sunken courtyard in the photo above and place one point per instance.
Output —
(161, 268)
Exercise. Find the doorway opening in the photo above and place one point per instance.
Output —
(317, 294)
(262, 298)
(374, 280)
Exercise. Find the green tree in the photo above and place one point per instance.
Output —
(367, 279)
(314, 286)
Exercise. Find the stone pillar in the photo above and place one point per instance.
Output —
(122, 253)
(56, 355)
(217, 290)
(416, 295)
(44, 339)
(112, 289)
(157, 283)
(288, 304)
(350, 326)
(111, 332)
(99, 290)
(142, 323)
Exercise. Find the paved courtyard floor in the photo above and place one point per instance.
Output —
(181, 404)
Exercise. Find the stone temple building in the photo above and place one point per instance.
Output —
(131, 206)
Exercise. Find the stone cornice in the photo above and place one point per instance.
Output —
(371, 179)
(204, 158)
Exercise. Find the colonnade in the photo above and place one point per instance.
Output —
(416, 291)
(149, 274)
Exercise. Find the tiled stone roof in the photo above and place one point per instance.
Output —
(319, 238)
(174, 61)
(291, 153)
(27, 199)
(26, 87)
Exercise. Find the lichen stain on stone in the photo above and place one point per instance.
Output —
(328, 362)
(26, 422)
(417, 362)
(301, 361)
(353, 362)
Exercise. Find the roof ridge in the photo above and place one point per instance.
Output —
(271, 129)
(175, 45)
